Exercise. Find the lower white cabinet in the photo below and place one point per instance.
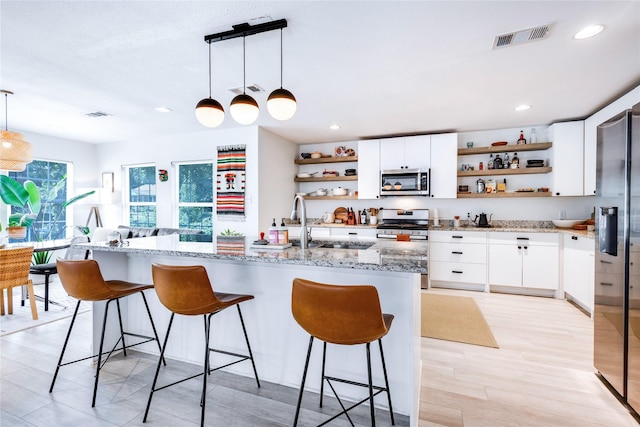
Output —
(457, 258)
(578, 266)
(528, 260)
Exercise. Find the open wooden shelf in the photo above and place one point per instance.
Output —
(333, 178)
(496, 172)
(505, 148)
(504, 194)
(330, 197)
(326, 160)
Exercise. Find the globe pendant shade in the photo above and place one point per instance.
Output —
(244, 109)
(15, 152)
(209, 112)
(281, 104)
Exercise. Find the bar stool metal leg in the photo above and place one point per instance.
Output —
(64, 347)
(386, 382)
(153, 326)
(373, 409)
(124, 348)
(207, 327)
(160, 359)
(246, 337)
(304, 379)
(324, 356)
(104, 324)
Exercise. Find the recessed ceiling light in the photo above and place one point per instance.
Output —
(334, 126)
(522, 107)
(589, 31)
(163, 109)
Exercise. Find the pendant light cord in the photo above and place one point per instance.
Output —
(281, 58)
(6, 119)
(244, 67)
(209, 70)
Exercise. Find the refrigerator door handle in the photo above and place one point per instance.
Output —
(608, 230)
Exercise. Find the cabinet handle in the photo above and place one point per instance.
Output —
(522, 238)
(519, 247)
(353, 234)
(456, 271)
(456, 253)
(574, 237)
(456, 237)
(526, 247)
(606, 284)
(606, 262)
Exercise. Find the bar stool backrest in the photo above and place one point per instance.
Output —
(338, 314)
(14, 266)
(184, 289)
(82, 280)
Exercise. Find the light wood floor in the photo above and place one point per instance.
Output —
(542, 374)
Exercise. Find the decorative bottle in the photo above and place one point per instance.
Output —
(490, 163)
(533, 138)
(497, 163)
(505, 162)
(283, 234)
(515, 162)
(521, 140)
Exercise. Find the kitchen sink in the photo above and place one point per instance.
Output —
(310, 244)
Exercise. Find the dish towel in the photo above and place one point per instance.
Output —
(230, 182)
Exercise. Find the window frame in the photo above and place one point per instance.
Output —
(176, 191)
(127, 196)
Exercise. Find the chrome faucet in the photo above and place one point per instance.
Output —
(304, 233)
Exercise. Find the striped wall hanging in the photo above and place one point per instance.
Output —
(231, 182)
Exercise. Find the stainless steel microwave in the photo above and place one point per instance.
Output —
(404, 182)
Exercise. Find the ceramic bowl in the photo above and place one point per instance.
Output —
(567, 223)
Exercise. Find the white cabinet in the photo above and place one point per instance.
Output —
(578, 267)
(444, 165)
(369, 169)
(528, 260)
(458, 259)
(411, 152)
(568, 158)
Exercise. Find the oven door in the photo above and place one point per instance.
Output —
(404, 182)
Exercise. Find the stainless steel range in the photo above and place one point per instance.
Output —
(411, 222)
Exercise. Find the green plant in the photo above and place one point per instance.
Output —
(229, 232)
(29, 201)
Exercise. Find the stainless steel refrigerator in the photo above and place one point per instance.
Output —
(617, 251)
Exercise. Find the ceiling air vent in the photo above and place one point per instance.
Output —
(97, 114)
(522, 36)
(252, 88)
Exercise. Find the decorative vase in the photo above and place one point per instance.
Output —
(17, 232)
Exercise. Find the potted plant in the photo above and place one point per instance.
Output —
(29, 201)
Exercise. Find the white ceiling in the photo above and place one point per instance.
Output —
(375, 68)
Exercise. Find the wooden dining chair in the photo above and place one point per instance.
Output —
(14, 271)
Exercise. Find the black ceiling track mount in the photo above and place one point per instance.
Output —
(245, 29)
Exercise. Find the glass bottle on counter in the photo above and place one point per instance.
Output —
(490, 163)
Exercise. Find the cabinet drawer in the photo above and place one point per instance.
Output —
(457, 272)
(510, 237)
(458, 252)
(353, 233)
(458, 236)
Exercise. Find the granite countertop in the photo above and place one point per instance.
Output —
(583, 233)
(405, 257)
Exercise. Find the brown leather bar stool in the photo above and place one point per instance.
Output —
(82, 280)
(187, 290)
(345, 315)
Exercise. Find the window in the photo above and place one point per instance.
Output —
(142, 196)
(51, 222)
(195, 196)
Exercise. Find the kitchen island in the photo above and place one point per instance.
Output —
(278, 343)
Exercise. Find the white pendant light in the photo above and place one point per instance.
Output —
(281, 103)
(244, 109)
(209, 112)
(15, 152)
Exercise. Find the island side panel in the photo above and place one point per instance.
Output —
(278, 343)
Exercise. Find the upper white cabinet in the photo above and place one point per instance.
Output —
(369, 169)
(568, 158)
(410, 152)
(444, 161)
